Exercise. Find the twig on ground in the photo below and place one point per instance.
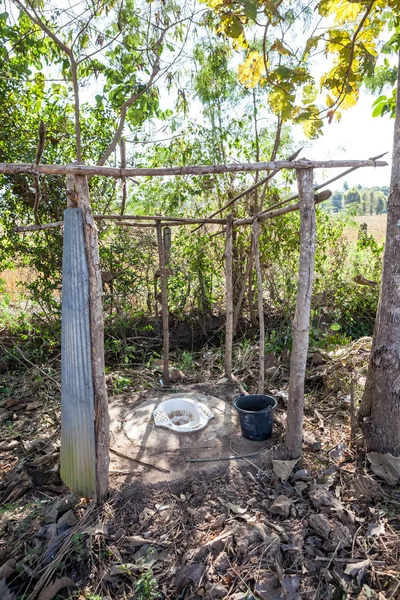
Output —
(140, 462)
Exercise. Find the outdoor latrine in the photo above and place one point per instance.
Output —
(85, 418)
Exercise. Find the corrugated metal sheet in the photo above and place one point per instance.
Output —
(78, 454)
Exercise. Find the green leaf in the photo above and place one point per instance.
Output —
(335, 327)
(3, 16)
(232, 25)
(378, 109)
(250, 8)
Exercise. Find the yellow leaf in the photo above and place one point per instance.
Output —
(329, 101)
(249, 72)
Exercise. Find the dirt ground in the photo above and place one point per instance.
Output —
(258, 527)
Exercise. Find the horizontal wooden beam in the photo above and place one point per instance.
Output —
(176, 220)
(89, 170)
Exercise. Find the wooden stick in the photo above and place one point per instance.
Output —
(140, 462)
(243, 287)
(353, 419)
(122, 147)
(251, 188)
(39, 152)
(301, 323)
(164, 301)
(72, 197)
(261, 352)
(229, 297)
(102, 419)
(27, 228)
(89, 170)
(276, 213)
(185, 220)
(318, 198)
(321, 185)
(180, 220)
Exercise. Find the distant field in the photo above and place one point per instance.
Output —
(376, 226)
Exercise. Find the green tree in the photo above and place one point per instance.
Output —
(352, 196)
(380, 206)
(372, 202)
(337, 201)
(364, 202)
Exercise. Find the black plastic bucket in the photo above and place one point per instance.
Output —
(256, 416)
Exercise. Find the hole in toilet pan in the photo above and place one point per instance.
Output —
(182, 414)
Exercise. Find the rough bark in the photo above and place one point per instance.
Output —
(97, 339)
(229, 299)
(164, 301)
(89, 170)
(380, 406)
(301, 323)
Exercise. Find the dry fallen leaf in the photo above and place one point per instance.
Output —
(283, 468)
(53, 589)
(5, 593)
(385, 466)
(8, 568)
(357, 570)
(237, 510)
(375, 530)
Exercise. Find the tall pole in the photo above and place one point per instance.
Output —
(301, 323)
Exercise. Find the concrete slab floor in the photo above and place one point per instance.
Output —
(134, 435)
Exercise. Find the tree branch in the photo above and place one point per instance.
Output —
(35, 18)
(130, 101)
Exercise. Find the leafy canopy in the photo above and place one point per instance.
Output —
(281, 39)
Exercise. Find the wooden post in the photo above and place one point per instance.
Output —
(97, 339)
(164, 301)
(229, 297)
(167, 244)
(301, 323)
(261, 352)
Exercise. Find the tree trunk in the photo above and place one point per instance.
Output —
(102, 420)
(301, 323)
(380, 406)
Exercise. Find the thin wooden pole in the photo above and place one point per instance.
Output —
(238, 306)
(257, 264)
(301, 323)
(164, 301)
(102, 419)
(229, 297)
(122, 147)
(181, 220)
(117, 173)
(251, 188)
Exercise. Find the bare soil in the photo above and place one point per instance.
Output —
(329, 530)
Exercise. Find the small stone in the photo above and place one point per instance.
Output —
(190, 573)
(281, 506)
(69, 518)
(176, 375)
(217, 591)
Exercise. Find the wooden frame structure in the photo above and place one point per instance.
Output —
(78, 196)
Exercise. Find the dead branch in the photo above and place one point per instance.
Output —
(117, 173)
